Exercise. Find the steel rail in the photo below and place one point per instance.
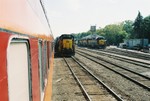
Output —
(146, 77)
(105, 53)
(101, 82)
(79, 83)
(132, 62)
(141, 56)
(129, 60)
(135, 81)
(135, 62)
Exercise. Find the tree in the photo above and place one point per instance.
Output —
(114, 34)
(83, 34)
(137, 26)
(146, 27)
(128, 27)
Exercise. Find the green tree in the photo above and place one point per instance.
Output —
(128, 27)
(137, 26)
(83, 34)
(114, 34)
(100, 32)
(146, 27)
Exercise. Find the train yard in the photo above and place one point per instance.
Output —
(102, 75)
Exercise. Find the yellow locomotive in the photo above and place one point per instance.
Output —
(93, 41)
(64, 45)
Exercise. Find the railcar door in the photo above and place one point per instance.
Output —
(19, 84)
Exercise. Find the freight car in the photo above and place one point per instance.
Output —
(137, 44)
(93, 41)
(64, 45)
(26, 51)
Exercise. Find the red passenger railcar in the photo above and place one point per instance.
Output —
(26, 50)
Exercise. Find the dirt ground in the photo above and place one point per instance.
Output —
(64, 86)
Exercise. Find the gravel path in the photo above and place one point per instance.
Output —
(64, 86)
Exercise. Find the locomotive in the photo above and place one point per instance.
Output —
(26, 51)
(93, 41)
(64, 45)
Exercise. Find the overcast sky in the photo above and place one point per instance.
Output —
(74, 16)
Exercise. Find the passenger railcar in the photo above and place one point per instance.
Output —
(93, 41)
(26, 50)
(64, 45)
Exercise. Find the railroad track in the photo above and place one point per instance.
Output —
(92, 87)
(137, 78)
(140, 83)
(128, 53)
(121, 58)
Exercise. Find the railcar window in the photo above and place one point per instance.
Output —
(41, 69)
(45, 59)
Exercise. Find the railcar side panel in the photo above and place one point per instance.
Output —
(35, 69)
(24, 25)
(37, 59)
(24, 16)
(4, 40)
